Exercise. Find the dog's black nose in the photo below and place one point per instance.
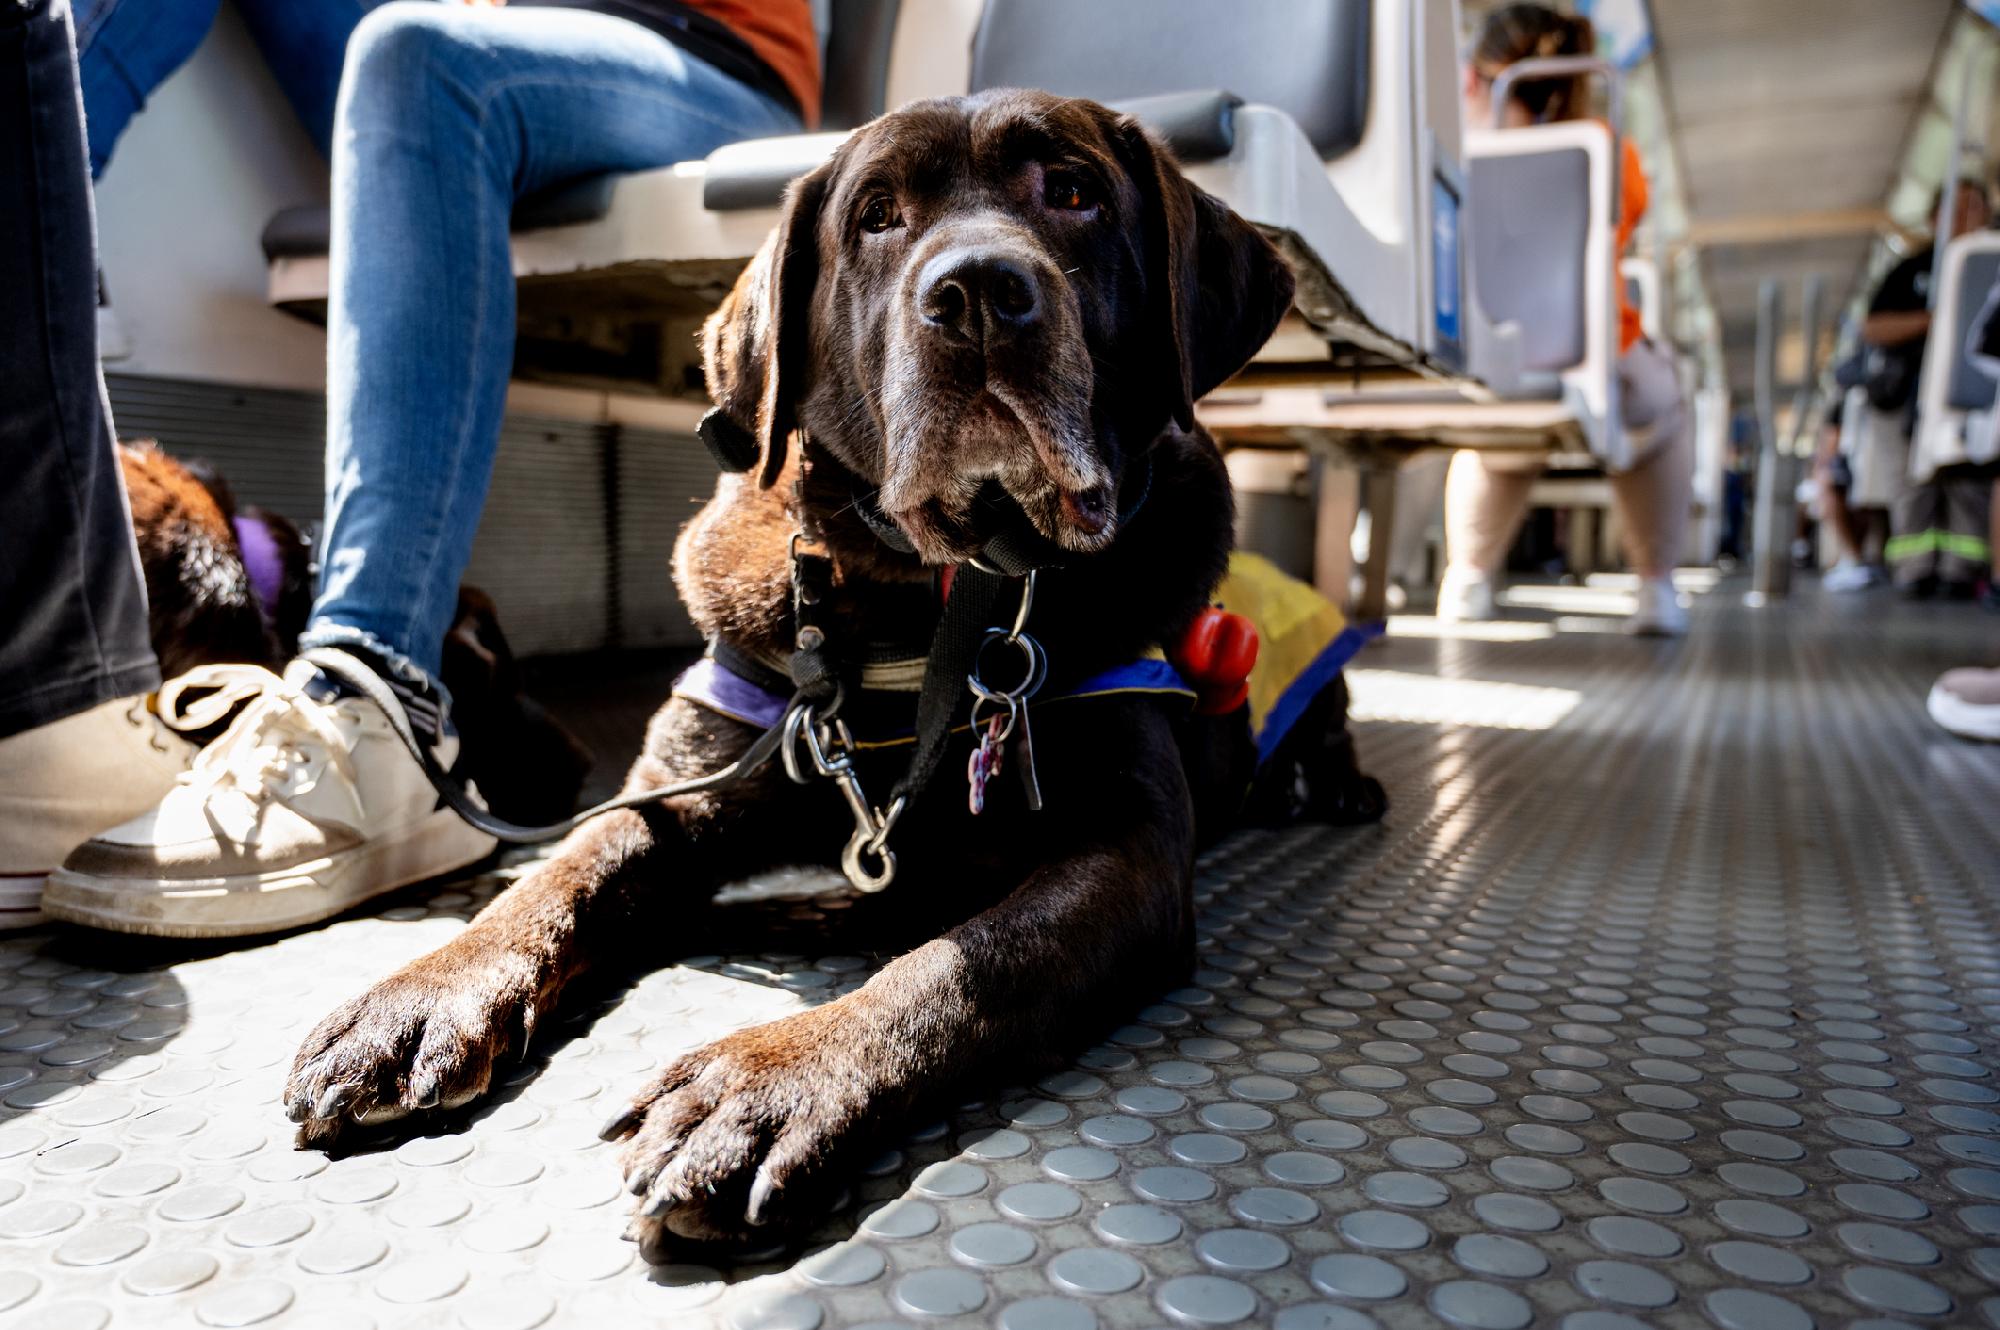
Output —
(981, 298)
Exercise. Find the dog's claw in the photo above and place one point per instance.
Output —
(423, 1092)
(659, 1203)
(621, 1124)
(332, 1100)
(760, 1196)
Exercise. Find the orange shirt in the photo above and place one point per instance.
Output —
(1631, 208)
(781, 33)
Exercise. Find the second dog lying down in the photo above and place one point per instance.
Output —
(980, 328)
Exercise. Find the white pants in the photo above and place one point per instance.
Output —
(1486, 497)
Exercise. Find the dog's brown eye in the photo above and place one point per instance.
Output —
(1068, 192)
(880, 215)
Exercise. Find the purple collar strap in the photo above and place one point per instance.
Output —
(730, 694)
(263, 562)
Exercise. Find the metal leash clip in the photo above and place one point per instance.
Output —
(829, 746)
(988, 758)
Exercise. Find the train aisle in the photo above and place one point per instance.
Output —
(1667, 995)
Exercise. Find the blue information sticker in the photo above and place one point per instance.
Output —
(1447, 275)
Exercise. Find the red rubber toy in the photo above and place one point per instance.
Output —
(1215, 656)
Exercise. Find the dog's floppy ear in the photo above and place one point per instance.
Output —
(1216, 287)
(754, 345)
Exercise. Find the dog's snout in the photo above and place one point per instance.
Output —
(978, 296)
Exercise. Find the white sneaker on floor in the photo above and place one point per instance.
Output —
(1659, 613)
(1465, 597)
(1847, 576)
(1967, 702)
(62, 783)
(307, 804)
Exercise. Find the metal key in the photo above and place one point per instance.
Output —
(1024, 747)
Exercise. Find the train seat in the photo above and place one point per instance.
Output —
(1541, 251)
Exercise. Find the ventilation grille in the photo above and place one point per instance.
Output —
(569, 570)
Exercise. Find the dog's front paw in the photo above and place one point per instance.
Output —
(1352, 800)
(427, 1037)
(746, 1134)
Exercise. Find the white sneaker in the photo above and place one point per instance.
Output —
(301, 809)
(1847, 575)
(1465, 597)
(1967, 702)
(1659, 613)
(62, 783)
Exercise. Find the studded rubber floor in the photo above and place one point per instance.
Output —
(1667, 995)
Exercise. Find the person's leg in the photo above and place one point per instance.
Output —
(1652, 501)
(1484, 504)
(1915, 521)
(79, 750)
(1839, 519)
(305, 44)
(448, 114)
(311, 802)
(72, 604)
(126, 49)
(1485, 500)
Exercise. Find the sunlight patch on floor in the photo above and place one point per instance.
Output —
(1605, 601)
(1423, 699)
(1492, 630)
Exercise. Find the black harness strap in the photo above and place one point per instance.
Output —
(968, 613)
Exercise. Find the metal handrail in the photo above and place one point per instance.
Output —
(1769, 569)
(1564, 66)
(1809, 316)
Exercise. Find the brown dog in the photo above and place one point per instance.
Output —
(997, 313)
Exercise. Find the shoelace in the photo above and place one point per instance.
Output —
(262, 743)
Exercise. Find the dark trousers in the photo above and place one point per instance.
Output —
(72, 605)
(1941, 526)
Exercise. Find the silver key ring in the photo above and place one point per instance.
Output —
(1034, 660)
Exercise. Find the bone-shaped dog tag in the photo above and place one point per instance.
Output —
(1024, 744)
(984, 764)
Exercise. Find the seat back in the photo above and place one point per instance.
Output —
(1307, 58)
(1956, 419)
(1533, 212)
(1972, 385)
(1543, 243)
(855, 61)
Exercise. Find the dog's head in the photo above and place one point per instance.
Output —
(987, 306)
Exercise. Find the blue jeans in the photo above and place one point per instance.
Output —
(127, 48)
(72, 606)
(449, 114)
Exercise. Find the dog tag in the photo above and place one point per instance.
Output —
(1024, 755)
(984, 764)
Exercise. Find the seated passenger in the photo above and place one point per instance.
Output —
(1486, 496)
(447, 115)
